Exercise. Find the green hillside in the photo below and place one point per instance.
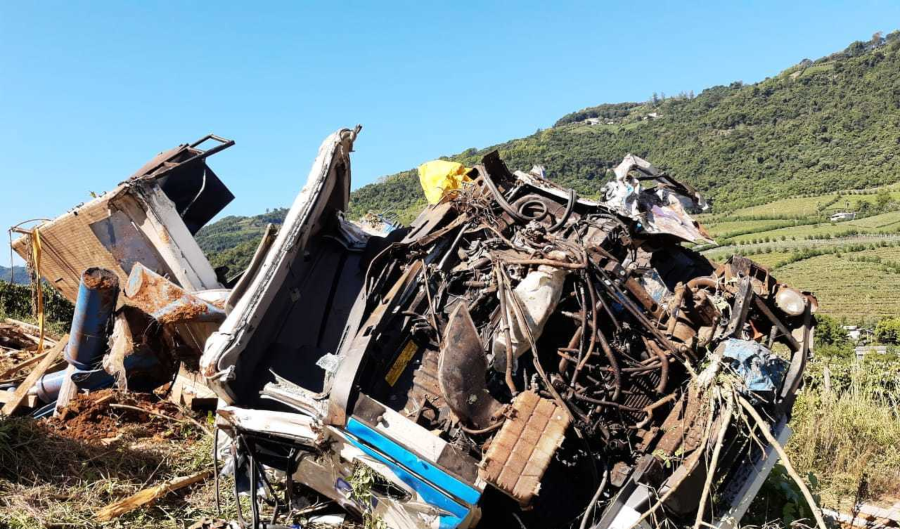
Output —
(819, 126)
(232, 240)
(17, 274)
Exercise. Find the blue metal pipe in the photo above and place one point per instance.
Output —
(48, 386)
(97, 295)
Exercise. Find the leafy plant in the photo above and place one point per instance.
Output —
(361, 483)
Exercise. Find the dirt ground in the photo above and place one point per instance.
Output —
(103, 415)
(58, 472)
(105, 446)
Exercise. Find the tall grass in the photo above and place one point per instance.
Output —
(848, 435)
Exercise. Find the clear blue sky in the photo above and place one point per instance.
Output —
(91, 90)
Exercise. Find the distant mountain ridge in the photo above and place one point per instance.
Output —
(826, 125)
(19, 275)
(819, 126)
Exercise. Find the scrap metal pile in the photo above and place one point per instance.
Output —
(560, 336)
(518, 356)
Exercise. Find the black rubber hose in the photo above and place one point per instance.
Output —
(542, 209)
(569, 208)
(499, 197)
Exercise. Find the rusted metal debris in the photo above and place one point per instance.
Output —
(139, 235)
(166, 302)
(517, 356)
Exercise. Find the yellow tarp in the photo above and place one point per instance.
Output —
(438, 177)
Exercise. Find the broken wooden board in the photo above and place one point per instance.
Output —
(149, 495)
(16, 337)
(31, 328)
(30, 400)
(67, 391)
(190, 391)
(22, 391)
(521, 452)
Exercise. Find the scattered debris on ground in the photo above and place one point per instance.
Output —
(868, 516)
(519, 356)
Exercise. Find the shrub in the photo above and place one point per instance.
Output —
(888, 330)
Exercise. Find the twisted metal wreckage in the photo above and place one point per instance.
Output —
(518, 356)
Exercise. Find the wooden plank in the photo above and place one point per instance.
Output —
(22, 391)
(149, 495)
(30, 401)
(190, 391)
(30, 328)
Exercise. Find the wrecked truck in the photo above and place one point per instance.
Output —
(519, 356)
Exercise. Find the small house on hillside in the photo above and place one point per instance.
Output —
(853, 332)
(858, 334)
(863, 350)
(842, 216)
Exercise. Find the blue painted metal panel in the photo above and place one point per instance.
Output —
(428, 493)
(416, 464)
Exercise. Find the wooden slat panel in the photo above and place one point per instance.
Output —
(22, 391)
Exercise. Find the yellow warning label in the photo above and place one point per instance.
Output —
(400, 364)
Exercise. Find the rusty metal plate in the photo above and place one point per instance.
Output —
(461, 371)
(521, 452)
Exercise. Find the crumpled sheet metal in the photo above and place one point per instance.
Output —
(165, 301)
(659, 210)
(628, 318)
(417, 505)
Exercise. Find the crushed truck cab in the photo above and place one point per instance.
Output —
(289, 356)
(517, 354)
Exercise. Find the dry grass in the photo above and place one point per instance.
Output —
(850, 437)
(48, 480)
(845, 437)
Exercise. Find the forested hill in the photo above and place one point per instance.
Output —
(232, 240)
(18, 274)
(818, 126)
(824, 125)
